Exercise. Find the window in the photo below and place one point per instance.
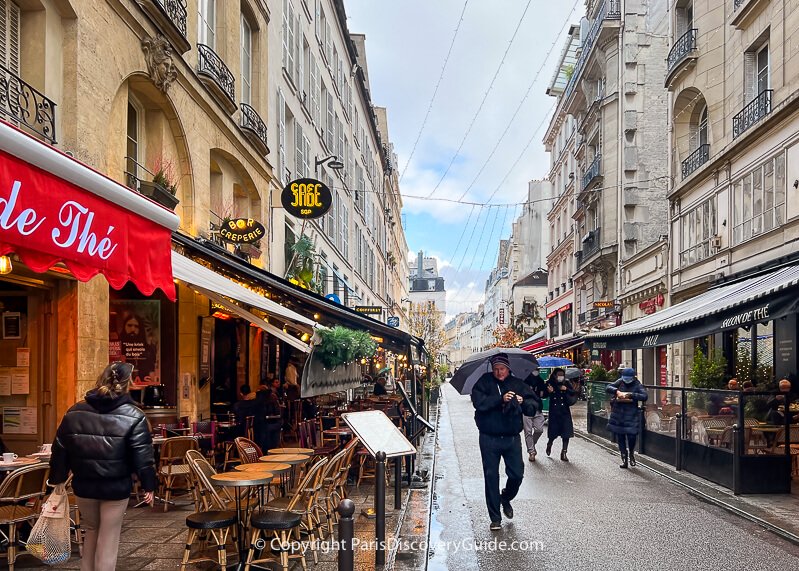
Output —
(698, 230)
(703, 127)
(339, 138)
(206, 23)
(762, 70)
(246, 61)
(756, 70)
(554, 330)
(302, 152)
(759, 200)
(313, 73)
(330, 133)
(133, 143)
(281, 137)
(9, 36)
(344, 229)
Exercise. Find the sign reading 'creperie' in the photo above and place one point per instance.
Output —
(45, 219)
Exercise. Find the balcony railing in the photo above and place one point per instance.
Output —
(22, 104)
(253, 125)
(680, 50)
(211, 65)
(592, 172)
(591, 245)
(758, 108)
(176, 11)
(695, 160)
(739, 3)
(610, 10)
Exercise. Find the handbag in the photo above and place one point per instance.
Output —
(49, 539)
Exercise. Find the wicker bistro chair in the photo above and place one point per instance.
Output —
(172, 467)
(205, 432)
(326, 499)
(249, 451)
(21, 494)
(340, 491)
(303, 504)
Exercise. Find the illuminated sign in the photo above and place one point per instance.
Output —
(242, 231)
(306, 198)
(565, 308)
(369, 309)
(605, 303)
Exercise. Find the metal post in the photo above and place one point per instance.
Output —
(398, 482)
(678, 443)
(589, 400)
(380, 507)
(346, 531)
(736, 459)
(641, 426)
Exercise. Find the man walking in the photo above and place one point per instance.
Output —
(534, 425)
(499, 399)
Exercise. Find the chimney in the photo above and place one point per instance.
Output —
(420, 265)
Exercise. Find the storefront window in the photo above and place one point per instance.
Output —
(554, 330)
(759, 200)
(566, 321)
(764, 354)
(742, 339)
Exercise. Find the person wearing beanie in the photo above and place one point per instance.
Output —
(562, 397)
(500, 400)
(625, 418)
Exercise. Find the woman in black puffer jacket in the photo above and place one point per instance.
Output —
(102, 440)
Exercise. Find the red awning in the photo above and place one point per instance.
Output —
(56, 209)
(535, 345)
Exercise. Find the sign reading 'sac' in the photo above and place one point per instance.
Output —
(306, 198)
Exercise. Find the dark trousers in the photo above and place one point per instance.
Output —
(565, 447)
(626, 440)
(509, 449)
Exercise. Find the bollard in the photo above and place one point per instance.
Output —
(380, 508)
(398, 482)
(346, 532)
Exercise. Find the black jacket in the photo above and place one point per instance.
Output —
(495, 417)
(537, 385)
(102, 441)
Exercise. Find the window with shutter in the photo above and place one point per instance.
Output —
(314, 89)
(750, 75)
(763, 80)
(207, 23)
(298, 151)
(296, 71)
(330, 135)
(246, 61)
(281, 137)
(9, 36)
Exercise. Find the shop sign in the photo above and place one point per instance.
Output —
(306, 198)
(334, 298)
(242, 231)
(605, 303)
(369, 309)
(650, 306)
(551, 314)
(393, 321)
(45, 219)
(565, 308)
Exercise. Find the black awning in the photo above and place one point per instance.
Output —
(295, 298)
(741, 304)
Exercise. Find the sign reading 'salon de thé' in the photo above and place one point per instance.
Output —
(306, 198)
(242, 230)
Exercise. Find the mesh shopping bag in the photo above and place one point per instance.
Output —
(49, 539)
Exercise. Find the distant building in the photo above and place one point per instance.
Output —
(426, 286)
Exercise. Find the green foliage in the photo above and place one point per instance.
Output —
(708, 373)
(613, 375)
(165, 176)
(303, 267)
(340, 346)
(756, 407)
(569, 71)
(598, 374)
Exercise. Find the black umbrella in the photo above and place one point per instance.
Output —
(521, 364)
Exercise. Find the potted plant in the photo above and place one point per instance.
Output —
(162, 189)
(341, 346)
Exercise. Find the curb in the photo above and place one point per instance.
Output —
(645, 462)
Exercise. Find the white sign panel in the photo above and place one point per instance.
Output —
(378, 433)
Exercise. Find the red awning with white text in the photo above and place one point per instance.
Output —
(56, 209)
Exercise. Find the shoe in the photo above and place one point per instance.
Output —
(495, 526)
(632, 458)
(623, 461)
(531, 457)
(549, 448)
(507, 509)
(563, 456)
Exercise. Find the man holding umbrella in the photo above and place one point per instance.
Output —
(500, 400)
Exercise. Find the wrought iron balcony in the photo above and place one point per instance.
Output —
(680, 51)
(171, 18)
(755, 110)
(593, 172)
(738, 3)
(211, 67)
(590, 245)
(23, 105)
(254, 127)
(695, 160)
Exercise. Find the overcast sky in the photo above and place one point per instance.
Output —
(406, 45)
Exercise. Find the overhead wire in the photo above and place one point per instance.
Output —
(435, 91)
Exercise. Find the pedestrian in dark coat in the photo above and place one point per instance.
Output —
(500, 400)
(561, 397)
(625, 418)
(102, 440)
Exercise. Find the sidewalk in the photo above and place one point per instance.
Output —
(779, 513)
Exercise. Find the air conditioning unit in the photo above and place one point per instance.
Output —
(715, 242)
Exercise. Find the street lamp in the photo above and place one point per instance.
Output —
(332, 162)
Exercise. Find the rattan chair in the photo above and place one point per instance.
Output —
(249, 451)
(326, 499)
(172, 467)
(21, 494)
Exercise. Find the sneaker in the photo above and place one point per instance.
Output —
(549, 448)
(495, 526)
(507, 509)
(531, 457)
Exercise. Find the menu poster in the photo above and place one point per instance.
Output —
(19, 420)
(206, 350)
(12, 325)
(23, 357)
(5, 382)
(135, 337)
(20, 381)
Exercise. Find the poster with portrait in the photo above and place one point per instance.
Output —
(135, 337)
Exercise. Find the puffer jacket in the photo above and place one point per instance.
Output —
(496, 417)
(102, 441)
(625, 417)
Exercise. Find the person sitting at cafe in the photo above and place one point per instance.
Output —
(277, 389)
(380, 387)
(245, 407)
(777, 402)
(267, 420)
(748, 387)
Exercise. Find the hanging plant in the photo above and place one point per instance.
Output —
(340, 346)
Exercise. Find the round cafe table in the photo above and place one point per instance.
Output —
(275, 468)
(293, 459)
(238, 479)
(308, 451)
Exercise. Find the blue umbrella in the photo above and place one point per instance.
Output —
(548, 361)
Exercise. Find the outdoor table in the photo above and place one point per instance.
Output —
(292, 459)
(290, 451)
(238, 479)
(18, 463)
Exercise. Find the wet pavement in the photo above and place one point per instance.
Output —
(585, 514)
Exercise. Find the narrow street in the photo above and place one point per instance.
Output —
(587, 514)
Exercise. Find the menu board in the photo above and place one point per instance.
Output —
(378, 433)
(19, 420)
